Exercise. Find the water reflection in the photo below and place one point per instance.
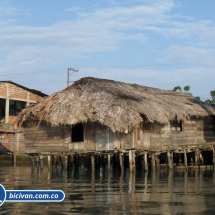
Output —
(113, 192)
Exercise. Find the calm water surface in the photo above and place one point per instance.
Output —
(164, 192)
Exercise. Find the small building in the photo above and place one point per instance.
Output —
(98, 115)
(13, 99)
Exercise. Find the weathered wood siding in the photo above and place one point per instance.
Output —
(45, 138)
(97, 137)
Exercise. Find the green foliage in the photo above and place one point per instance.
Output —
(212, 93)
(177, 88)
(212, 100)
(186, 89)
(198, 98)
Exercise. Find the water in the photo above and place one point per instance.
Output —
(165, 192)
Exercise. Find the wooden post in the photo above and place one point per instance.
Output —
(185, 159)
(153, 161)
(197, 157)
(132, 160)
(169, 157)
(65, 162)
(157, 161)
(49, 161)
(121, 161)
(145, 161)
(32, 160)
(14, 158)
(201, 158)
(41, 161)
(108, 161)
(92, 162)
(213, 157)
(61, 162)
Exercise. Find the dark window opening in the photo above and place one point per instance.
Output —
(181, 127)
(77, 133)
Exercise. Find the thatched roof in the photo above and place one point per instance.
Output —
(118, 105)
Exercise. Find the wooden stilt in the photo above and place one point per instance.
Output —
(121, 161)
(132, 166)
(169, 157)
(65, 162)
(49, 161)
(185, 159)
(32, 160)
(108, 161)
(41, 161)
(157, 161)
(61, 162)
(14, 158)
(191, 158)
(213, 157)
(197, 157)
(201, 158)
(153, 161)
(37, 161)
(92, 162)
(145, 161)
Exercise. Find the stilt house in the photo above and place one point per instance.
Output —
(99, 115)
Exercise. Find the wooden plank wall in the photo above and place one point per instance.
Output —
(97, 137)
(46, 138)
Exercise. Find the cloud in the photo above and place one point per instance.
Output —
(74, 9)
(187, 54)
(98, 31)
(34, 48)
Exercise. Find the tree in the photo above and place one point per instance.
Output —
(186, 89)
(177, 88)
(212, 101)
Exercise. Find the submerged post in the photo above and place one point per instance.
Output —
(49, 161)
(153, 161)
(14, 158)
(169, 157)
(185, 159)
(213, 157)
(197, 157)
(92, 162)
(41, 161)
(132, 160)
(65, 162)
(121, 161)
(145, 161)
(108, 162)
(157, 161)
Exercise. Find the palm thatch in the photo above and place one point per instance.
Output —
(118, 105)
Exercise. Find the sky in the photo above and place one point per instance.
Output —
(156, 43)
